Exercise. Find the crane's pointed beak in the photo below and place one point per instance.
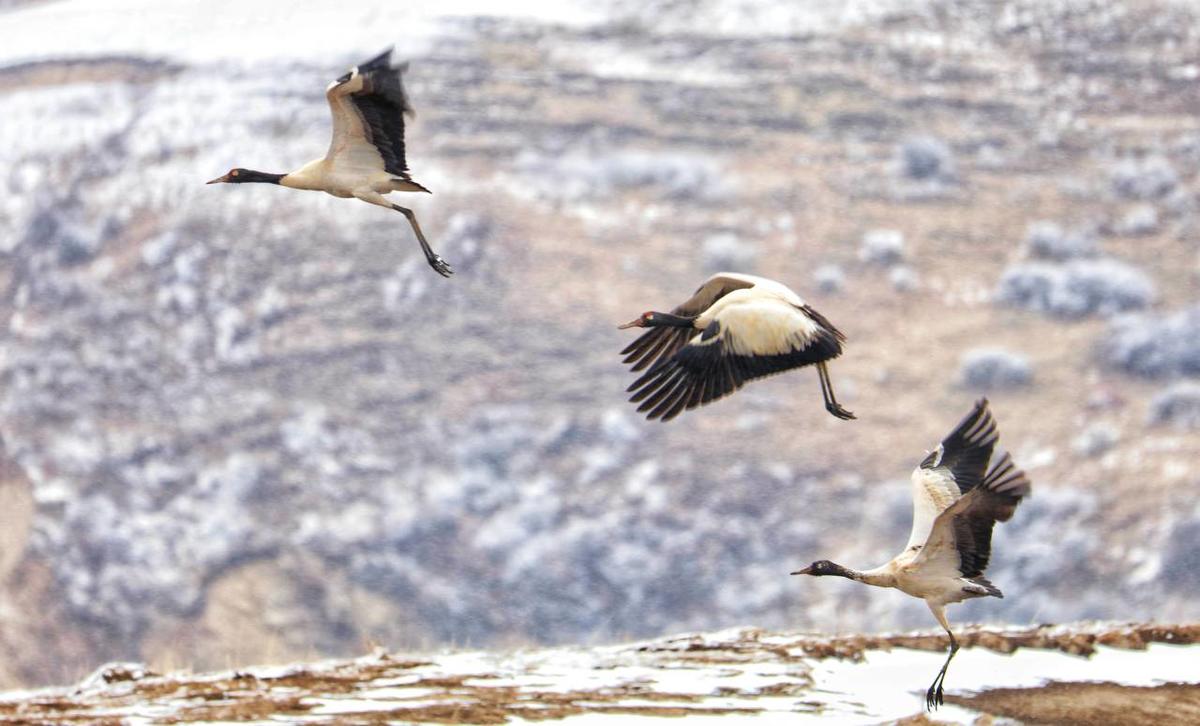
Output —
(219, 180)
(635, 323)
(805, 571)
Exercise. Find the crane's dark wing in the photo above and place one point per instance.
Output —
(382, 104)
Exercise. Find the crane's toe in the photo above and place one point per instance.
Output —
(440, 266)
(933, 697)
(839, 412)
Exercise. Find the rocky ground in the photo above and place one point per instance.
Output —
(249, 425)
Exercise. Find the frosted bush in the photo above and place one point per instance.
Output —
(672, 175)
(903, 278)
(1154, 346)
(882, 247)
(1149, 178)
(1047, 240)
(1139, 221)
(829, 278)
(1178, 406)
(1095, 440)
(1076, 289)
(993, 369)
(73, 243)
(1181, 554)
(725, 251)
(926, 158)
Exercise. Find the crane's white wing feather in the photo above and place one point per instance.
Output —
(933, 490)
(349, 147)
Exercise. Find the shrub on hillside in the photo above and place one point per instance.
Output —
(1178, 406)
(1049, 241)
(926, 158)
(883, 247)
(829, 278)
(725, 251)
(1139, 221)
(1095, 440)
(993, 369)
(1076, 289)
(1154, 346)
(1149, 178)
(903, 278)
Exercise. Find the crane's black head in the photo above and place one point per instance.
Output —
(651, 319)
(246, 176)
(822, 567)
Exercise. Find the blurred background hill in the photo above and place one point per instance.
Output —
(249, 424)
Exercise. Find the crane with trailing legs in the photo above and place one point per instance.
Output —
(366, 157)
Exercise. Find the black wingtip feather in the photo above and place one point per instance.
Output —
(379, 62)
(967, 449)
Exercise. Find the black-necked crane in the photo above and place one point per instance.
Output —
(955, 505)
(366, 156)
(734, 329)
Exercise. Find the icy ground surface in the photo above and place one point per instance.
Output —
(252, 426)
(739, 673)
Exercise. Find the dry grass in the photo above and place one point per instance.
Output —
(1091, 703)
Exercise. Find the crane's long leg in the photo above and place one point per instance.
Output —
(933, 697)
(831, 404)
(370, 196)
(437, 263)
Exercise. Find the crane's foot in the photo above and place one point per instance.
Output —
(440, 266)
(933, 697)
(836, 409)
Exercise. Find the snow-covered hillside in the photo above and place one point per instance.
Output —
(1121, 674)
(248, 424)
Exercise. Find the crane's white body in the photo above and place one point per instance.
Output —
(759, 321)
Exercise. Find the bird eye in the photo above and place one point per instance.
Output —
(233, 173)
